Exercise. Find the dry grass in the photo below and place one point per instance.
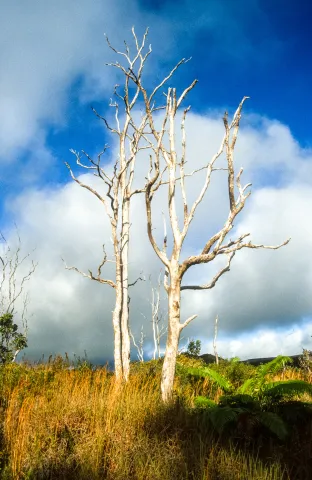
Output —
(82, 425)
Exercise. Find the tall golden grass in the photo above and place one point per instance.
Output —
(83, 425)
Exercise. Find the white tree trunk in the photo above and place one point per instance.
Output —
(15, 355)
(174, 330)
(117, 333)
(125, 328)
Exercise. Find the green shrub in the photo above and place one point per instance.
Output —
(259, 402)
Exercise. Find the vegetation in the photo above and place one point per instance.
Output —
(11, 340)
(14, 300)
(163, 113)
(226, 421)
(261, 402)
(194, 347)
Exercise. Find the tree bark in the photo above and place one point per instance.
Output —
(174, 330)
(117, 314)
(125, 328)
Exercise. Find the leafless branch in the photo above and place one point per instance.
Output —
(140, 345)
(137, 280)
(183, 61)
(215, 278)
(90, 275)
(187, 321)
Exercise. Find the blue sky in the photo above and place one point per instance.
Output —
(255, 48)
(259, 49)
(53, 69)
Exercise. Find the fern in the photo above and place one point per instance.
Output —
(204, 402)
(256, 384)
(221, 417)
(214, 376)
(287, 388)
(259, 401)
(274, 423)
(273, 367)
(240, 400)
(248, 386)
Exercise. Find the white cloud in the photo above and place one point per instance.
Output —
(45, 49)
(267, 342)
(264, 295)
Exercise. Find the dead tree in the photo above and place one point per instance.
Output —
(158, 325)
(140, 345)
(132, 138)
(215, 340)
(167, 171)
(12, 292)
(117, 199)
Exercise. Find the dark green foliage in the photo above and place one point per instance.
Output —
(10, 339)
(204, 402)
(240, 400)
(294, 412)
(305, 361)
(223, 418)
(286, 388)
(258, 382)
(235, 371)
(274, 423)
(242, 417)
(256, 404)
(194, 348)
(213, 375)
(275, 366)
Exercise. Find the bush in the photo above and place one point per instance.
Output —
(305, 361)
(194, 348)
(235, 371)
(11, 341)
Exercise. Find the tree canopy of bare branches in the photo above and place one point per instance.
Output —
(132, 138)
(168, 171)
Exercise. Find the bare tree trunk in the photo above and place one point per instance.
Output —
(117, 334)
(215, 340)
(118, 186)
(166, 167)
(174, 330)
(125, 329)
(165, 161)
(15, 355)
(140, 345)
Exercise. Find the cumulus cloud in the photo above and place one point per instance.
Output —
(266, 294)
(44, 48)
(267, 342)
(47, 48)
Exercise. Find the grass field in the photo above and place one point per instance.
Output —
(80, 424)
